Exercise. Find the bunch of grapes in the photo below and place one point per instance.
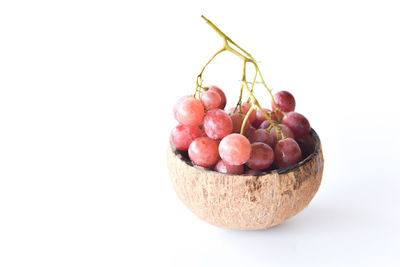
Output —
(235, 141)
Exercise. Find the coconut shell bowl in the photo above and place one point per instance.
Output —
(248, 202)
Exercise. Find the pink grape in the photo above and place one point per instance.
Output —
(245, 108)
(265, 124)
(260, 118)
(210, 99)
(298, 124)
(287, 153)
(284, 101)
(180, 100)
(261, 157)
(250, 132)
(189, 111)
(224, 167)
(237, 120)
(263, 136)
(277, 115)
(286, 132)
(203, 151)
(235, 149)
(183, 135)
(217, 124)
(221, 94)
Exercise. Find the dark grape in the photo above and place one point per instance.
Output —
(284, 101)
(237, 120)
(287, 153)
(298, 124)
(261, 157)
(260, 118)
(286, 132)
(224, 167)
(263, 136)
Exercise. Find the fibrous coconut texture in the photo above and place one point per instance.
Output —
(248, 202)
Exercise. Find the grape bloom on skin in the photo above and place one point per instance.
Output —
(217, 124)
(203, 151)
(235, 149)
(246, 138)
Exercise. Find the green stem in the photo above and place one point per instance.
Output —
(246, 58)
(199, 81)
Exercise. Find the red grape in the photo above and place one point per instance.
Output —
(237, 120)
(286, 132)
(263, 136)
(235, 149)
(224, 167)
(250, 132)
(287, 153)
(284, 101)
(217, 124)
(189, 111)
(221, 94)
(180, 100)
(260, 118)
(265, 124)
(245, 108)
(210, 99)
(203, 151)
(277, 115)
(298, 124)
(261, 157)
(183, 135)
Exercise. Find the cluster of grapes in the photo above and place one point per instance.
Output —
(234, 141)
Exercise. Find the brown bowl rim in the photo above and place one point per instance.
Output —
(313, 133)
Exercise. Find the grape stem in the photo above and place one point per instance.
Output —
(246, 57)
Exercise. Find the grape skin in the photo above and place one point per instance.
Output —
(190, 111)
(245, 108)
(286, 132)
(180, 100)
(235, 149)
(183, 135)
(210, 99)
(217, 124)
(250, 132)
(298, 124)
(237, 121)
(262, 156)
(260, 118)
(284, 101)
(265, 124)
(263, 136)
(203, 151)
(221, 94)
(224, 167)
(287, 153)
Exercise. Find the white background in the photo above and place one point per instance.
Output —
(86, 96)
